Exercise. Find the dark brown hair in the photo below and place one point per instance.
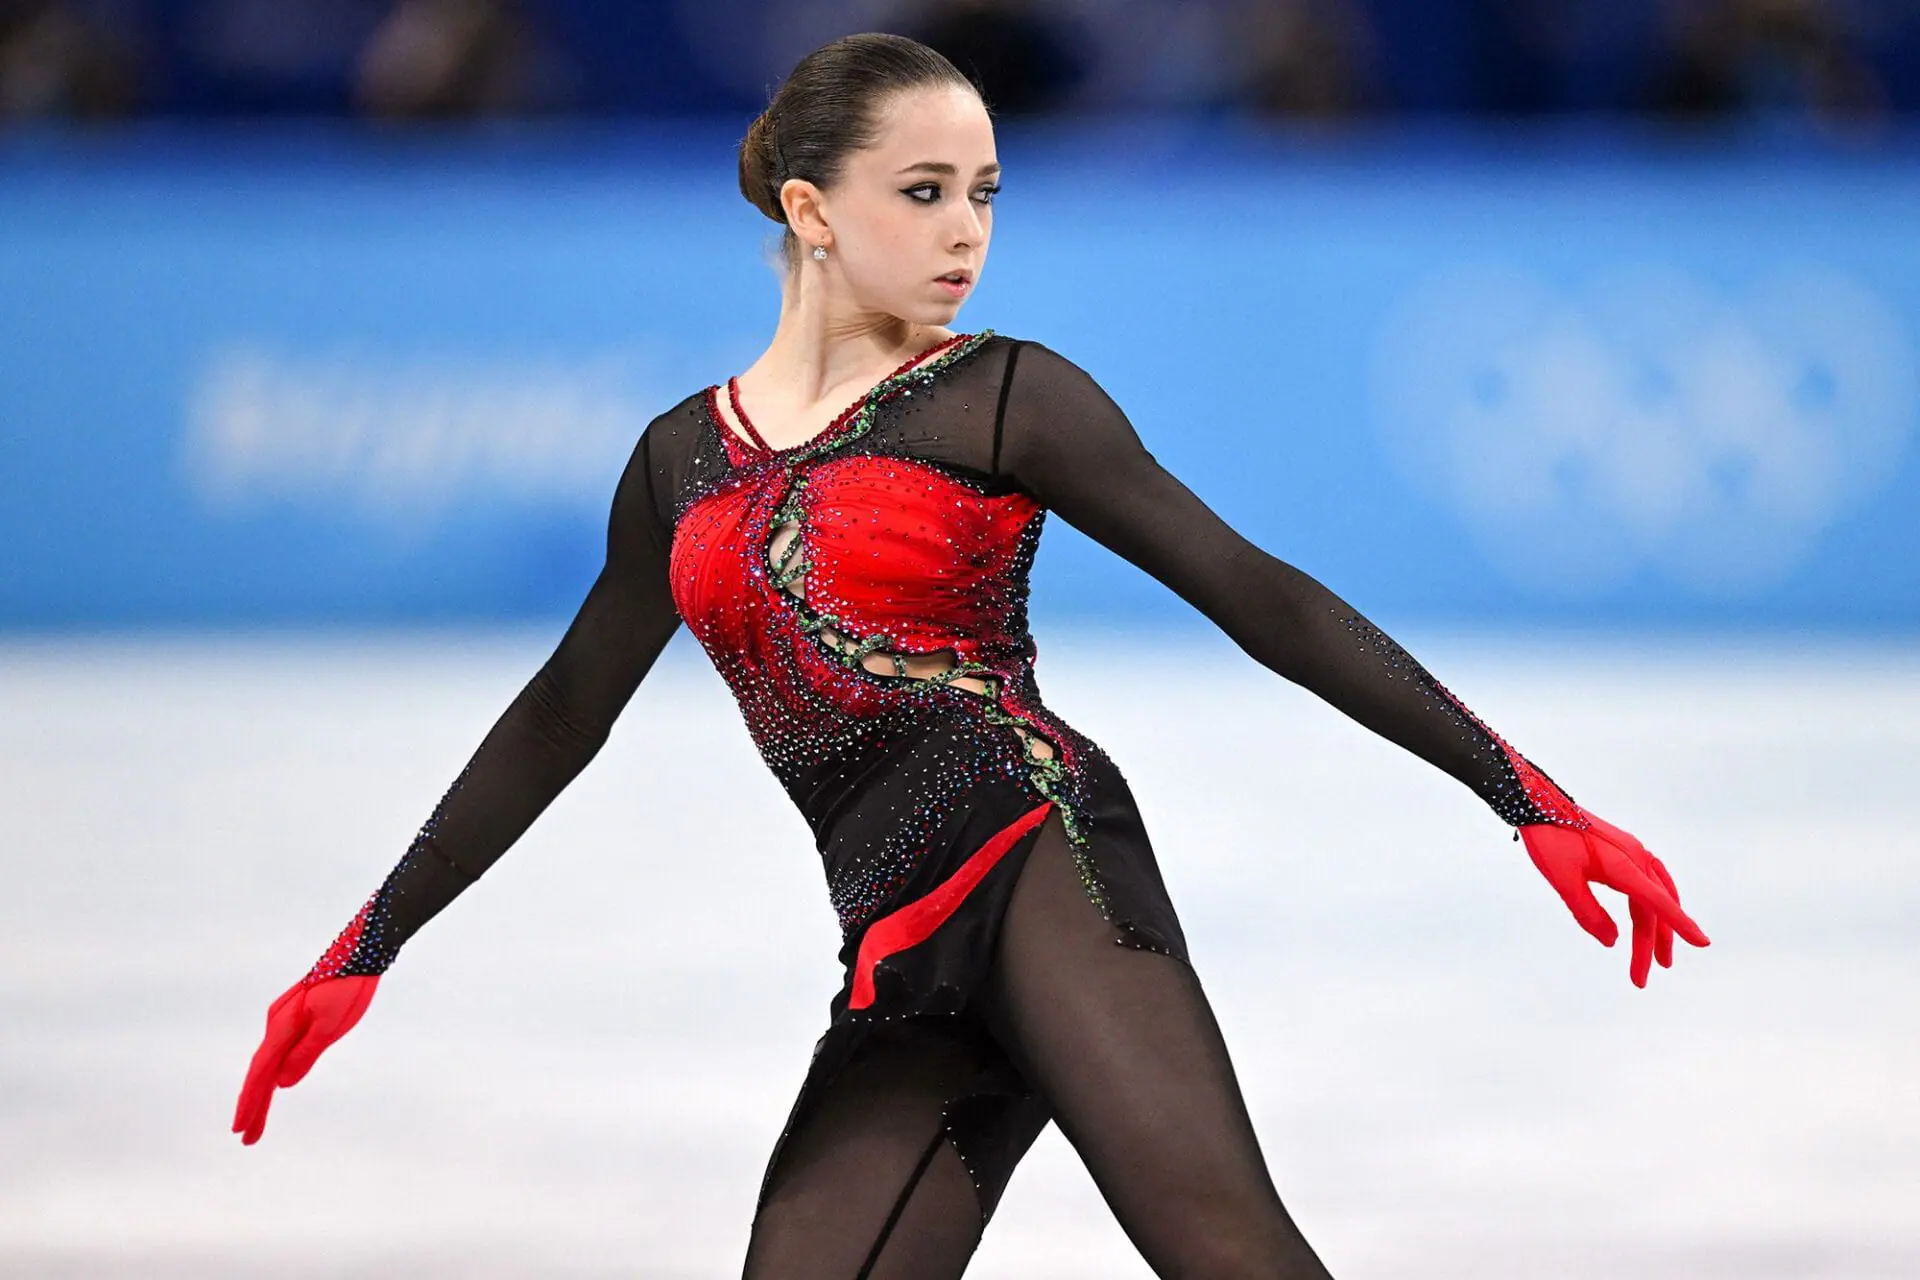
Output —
(826, 108)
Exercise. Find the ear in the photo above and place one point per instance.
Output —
(800, 200)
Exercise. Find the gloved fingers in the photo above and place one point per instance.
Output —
(1646, 927)
(1560, 855)
(335, 1006)
(284, 1027)
(1660, 873)
(1589, 913)
(1619, 872)
(250, 1110)
(1636, 853)
(1682, 923)
(300, 1059)
(1663, 940)
(307, 1050)
(250, 1119)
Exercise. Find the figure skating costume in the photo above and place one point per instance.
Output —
(864, 596)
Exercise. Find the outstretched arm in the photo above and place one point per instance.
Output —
(546, 736)
(1065, 440)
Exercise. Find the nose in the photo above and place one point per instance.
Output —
(969, 229)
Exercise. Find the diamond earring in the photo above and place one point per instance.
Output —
(819, 253)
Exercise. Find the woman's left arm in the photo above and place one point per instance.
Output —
(1065, 441)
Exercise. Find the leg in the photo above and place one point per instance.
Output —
(867, 1186)
(1124, 1046)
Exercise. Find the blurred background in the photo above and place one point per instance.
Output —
(1577, 342)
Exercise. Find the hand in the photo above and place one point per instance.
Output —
(1604, 854)
(308, 1016)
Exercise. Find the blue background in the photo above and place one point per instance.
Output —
(1234, 291)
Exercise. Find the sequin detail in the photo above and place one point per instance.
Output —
(1525, 794)
(368, 945)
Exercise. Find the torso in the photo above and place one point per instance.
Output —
(863, 593)
(868, 612)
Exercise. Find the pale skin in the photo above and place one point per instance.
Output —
(907, 210)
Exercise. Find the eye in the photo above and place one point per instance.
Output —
(932, 190)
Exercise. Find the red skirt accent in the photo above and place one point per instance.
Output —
(915, 922)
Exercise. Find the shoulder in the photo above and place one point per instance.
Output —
(1038, 373)
(680, 419)
(672, 436)
(1034, 357)
(667, 443)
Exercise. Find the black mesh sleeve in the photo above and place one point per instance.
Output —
(1063, 439)
(546, 736)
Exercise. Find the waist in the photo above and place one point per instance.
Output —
(894, 763)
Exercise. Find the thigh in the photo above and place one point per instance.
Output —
(867, 1185)
(1124, 1046)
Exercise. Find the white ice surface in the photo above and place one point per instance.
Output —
(577, 1071)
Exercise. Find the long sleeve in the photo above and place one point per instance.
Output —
(546, 736)
(1063, 439)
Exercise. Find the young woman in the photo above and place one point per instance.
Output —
(858, 576)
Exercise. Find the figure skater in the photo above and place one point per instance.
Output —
(859, 577)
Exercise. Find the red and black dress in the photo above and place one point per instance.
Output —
(864, 595)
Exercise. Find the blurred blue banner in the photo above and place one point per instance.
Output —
(287, 378)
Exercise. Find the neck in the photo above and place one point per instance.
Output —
(821, 343)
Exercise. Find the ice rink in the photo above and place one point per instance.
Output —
(579, 1069)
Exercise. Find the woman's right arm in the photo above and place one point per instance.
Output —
(546, 736)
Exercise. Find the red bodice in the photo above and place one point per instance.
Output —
(896, 554)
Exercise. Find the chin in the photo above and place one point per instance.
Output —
(937, 314)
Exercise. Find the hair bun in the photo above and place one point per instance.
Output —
(760, 175)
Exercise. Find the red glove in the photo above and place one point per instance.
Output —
(309, 1016)
(1603, 853)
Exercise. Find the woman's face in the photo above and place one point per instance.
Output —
(915, 206)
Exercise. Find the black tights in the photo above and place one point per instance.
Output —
(1122, 1045)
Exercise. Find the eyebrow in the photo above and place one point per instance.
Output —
(937, 166)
